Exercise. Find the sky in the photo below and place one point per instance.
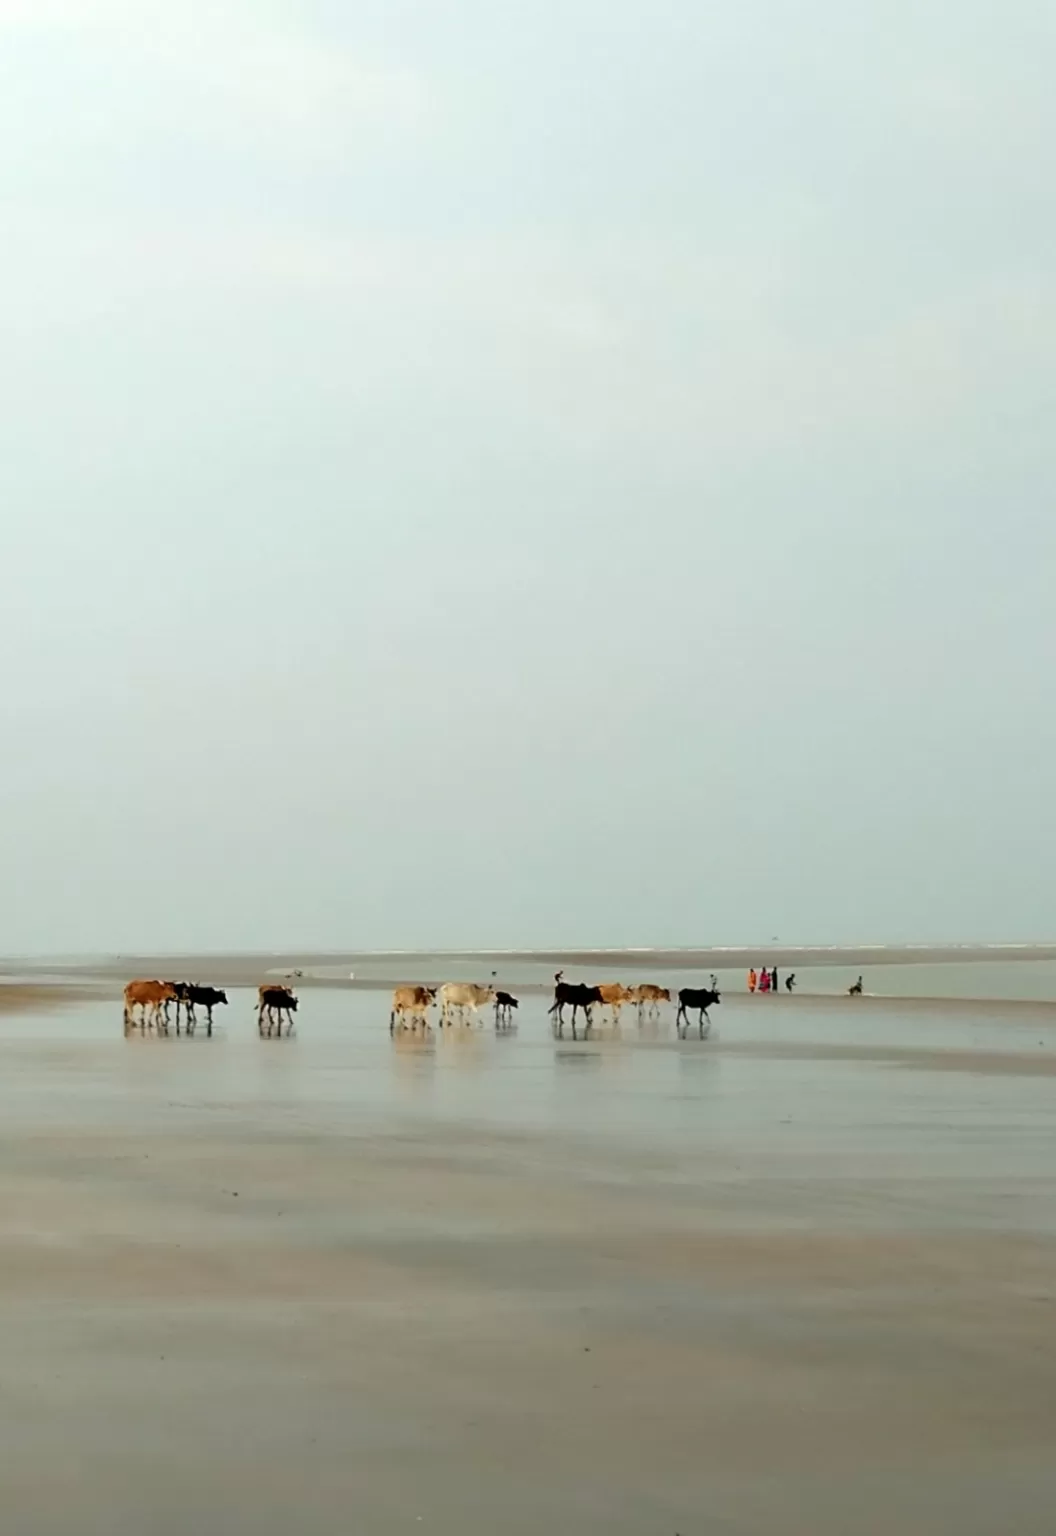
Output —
(525, 472)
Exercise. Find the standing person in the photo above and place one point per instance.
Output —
(790, 981)
(752, 979)
(764, 980)
(773, 979)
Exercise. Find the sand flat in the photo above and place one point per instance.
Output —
(336, 1284)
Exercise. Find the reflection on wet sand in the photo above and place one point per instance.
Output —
(799, 1278)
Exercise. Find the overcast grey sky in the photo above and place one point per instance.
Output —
(525, 471)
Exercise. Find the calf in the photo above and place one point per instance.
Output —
(505, 1003)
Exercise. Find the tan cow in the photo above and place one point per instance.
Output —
(461, 995)
(649, 997)
(613, 995)
(411, 1003)
(152, 998)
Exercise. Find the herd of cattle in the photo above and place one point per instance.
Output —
(154, 999)
(459, 1002)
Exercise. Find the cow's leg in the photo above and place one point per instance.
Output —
(209, 1020)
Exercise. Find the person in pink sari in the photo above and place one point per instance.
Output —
(764, 980)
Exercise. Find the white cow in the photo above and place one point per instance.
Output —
(461, 995)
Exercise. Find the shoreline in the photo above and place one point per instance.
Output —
(676, 957)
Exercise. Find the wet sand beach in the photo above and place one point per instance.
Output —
(799, 1278)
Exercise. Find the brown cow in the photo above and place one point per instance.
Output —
(152, 998)
(413, 1003)
(649, 997)
(614, 994)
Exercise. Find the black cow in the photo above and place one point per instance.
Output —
(695, 997)
(188, 994)
(182, 991)
(580, 996)
(505, 1003)
(275, 1001)
(203, 997)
